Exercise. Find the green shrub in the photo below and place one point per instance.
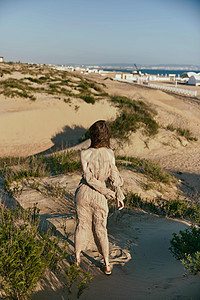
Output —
(186, 247)
(87, 98)
(133, 115)
(76, 274)
(25, 255)
(192, 262)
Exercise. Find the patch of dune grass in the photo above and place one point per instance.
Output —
(4, 71)
(182, 132)
(18, 170)
(88, 98)
(133, 115)
(175, 208)
(186, 133)
(15, 88)
(147, 167)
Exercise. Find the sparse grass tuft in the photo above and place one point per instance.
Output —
(147, 167)
(186, 133)
(183, 209)
(170, 127)
(76, 274)
(182, 132)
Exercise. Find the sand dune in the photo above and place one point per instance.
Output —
(143, 267)
(27, 128)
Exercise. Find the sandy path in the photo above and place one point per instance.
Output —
(152, 273)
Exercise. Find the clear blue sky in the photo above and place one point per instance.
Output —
(100, 31)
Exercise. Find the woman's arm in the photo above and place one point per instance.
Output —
(117, 182)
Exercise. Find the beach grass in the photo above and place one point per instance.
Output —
(132, 115)
(182, 132)
(46, 80)
(175, 208)
(15, 171)
(147, 167)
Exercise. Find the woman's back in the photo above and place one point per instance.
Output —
(99, 161)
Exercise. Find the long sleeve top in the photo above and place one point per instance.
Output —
(98, 166)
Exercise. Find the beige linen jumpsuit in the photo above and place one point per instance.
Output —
(91, 198)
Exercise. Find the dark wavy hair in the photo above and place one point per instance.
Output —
(100, 134)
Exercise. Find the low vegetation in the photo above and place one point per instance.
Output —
(133, 114)
(46, 80)
(16, 88)
(185, 247)
(5, 71)
(75, 274)
(16, 171)
(26, 255)
(146, 167)
(186, 133)
(176, 208)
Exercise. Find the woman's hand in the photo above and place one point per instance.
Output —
(120, 204)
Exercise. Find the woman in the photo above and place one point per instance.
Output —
(98, 163)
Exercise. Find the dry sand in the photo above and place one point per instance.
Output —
(29, 127)
(143, 267)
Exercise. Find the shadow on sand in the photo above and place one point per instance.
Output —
(68, 137)
(189, 184)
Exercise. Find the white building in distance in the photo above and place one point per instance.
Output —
(193, 78)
